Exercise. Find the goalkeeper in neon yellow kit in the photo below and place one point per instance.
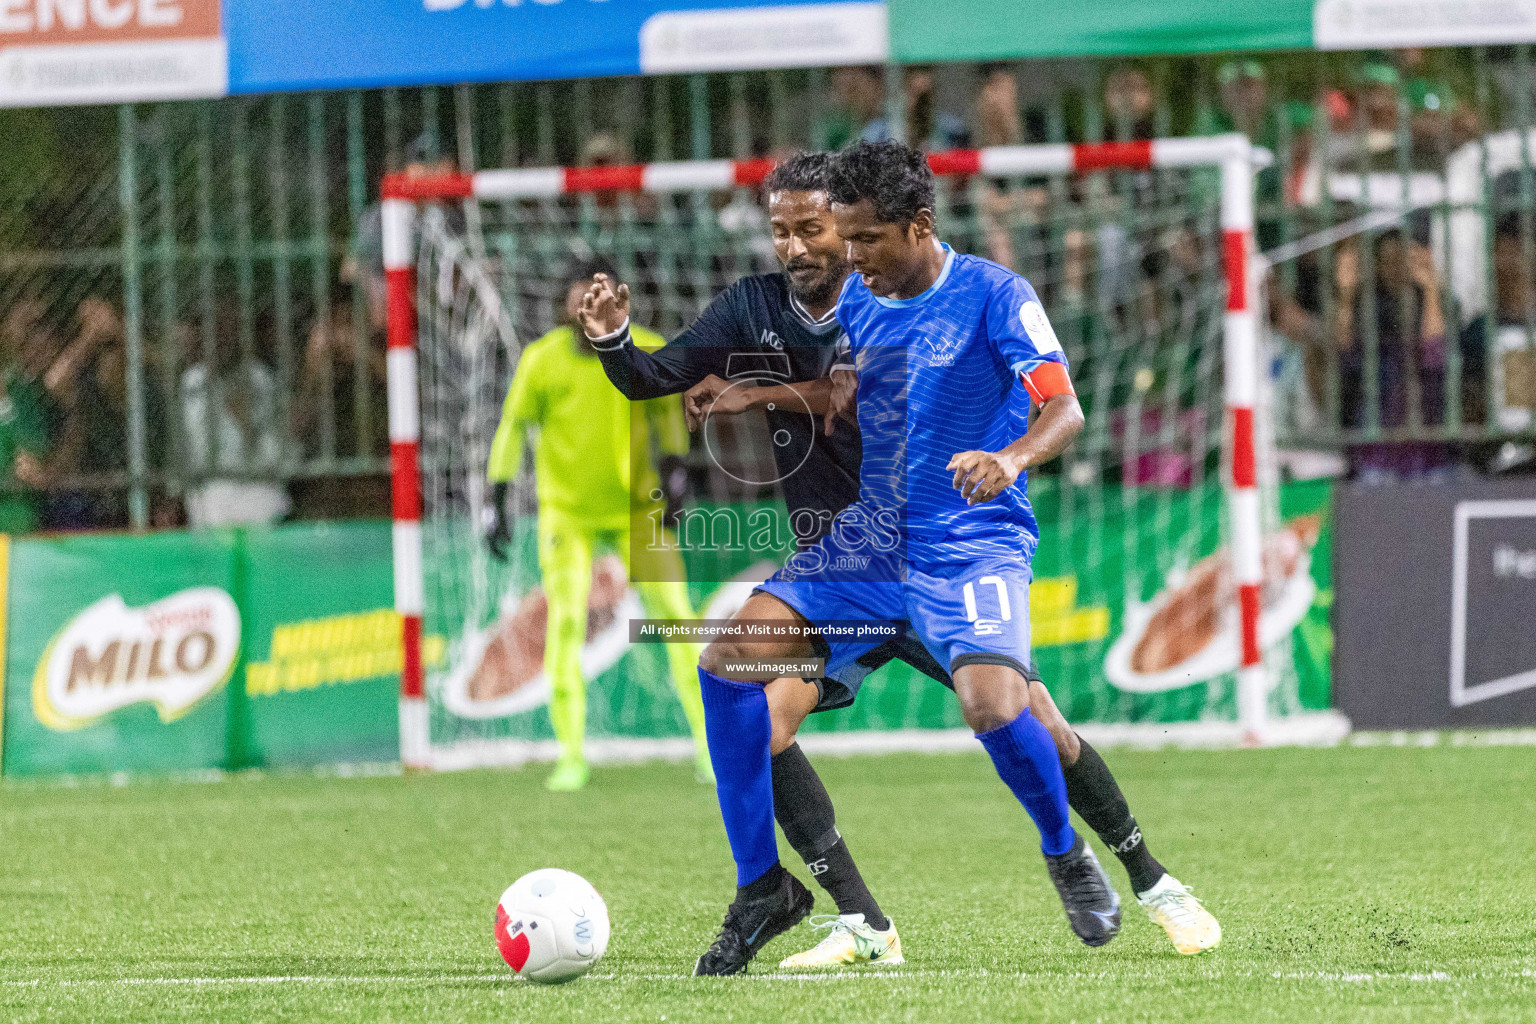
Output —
(595, 478)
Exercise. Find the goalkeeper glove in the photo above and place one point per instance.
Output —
(499, 532)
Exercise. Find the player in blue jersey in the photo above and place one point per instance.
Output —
(761, 339)
(940, 538)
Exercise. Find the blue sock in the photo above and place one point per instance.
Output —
(738, 730)
(1025, 757)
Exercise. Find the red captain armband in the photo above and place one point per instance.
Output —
(1046, 381)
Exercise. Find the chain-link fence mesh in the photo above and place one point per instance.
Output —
(190, 315)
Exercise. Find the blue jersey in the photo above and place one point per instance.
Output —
(938, 375)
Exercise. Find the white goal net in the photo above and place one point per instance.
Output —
(1136, 617)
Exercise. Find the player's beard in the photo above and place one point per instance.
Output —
(821, 287)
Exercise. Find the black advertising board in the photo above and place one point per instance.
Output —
(1435, 604)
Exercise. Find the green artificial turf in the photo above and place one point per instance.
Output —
(1354, 884)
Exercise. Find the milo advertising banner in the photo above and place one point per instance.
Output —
(119, 653)
(179, 652)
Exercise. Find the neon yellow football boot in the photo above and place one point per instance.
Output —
(1190, 927)
(849, 942)
(570, 774)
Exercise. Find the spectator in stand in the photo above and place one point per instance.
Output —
(1003, 206)
(999, 121)
(1128, 103)
(89, 382)
(928, 127)
(234, 445)
(329, 384)
(605, 149)
(1246, 109)
(1377, 86)
(1514, 310)
(1127, 263)
(1298, 171)
(1299, 364)
(1245, 105)
(858, 95)
(364, 266)
(1440, 121)
(26, 349)
(1410, 351)
(1437, 121)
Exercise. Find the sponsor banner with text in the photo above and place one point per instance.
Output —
(119, 654)
(322, 671)
(181, 652)
(281, 45)
(110, 51)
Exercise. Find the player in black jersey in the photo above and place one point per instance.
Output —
(770, 341)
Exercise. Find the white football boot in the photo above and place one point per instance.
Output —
(1191, 927)
(850, 942)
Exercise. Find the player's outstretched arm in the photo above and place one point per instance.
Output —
(714, 396)
(700, 350)
(982, 476)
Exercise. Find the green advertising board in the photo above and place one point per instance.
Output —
(181, 652)
(1122, 624)
(1003, 29)
(278, 647)
(967, 30)
(1127, 625)
(119, 653)
(322, 672)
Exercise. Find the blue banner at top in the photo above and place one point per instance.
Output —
(280, 45)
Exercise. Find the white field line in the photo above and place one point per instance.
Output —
(1323, 728)
(1170, 973)
(267, 979)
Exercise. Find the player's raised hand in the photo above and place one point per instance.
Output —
(843, 401)
(604, 307)
(982, 476)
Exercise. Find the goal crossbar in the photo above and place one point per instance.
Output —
(1232, 155)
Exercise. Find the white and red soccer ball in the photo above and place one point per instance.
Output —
(551, 926)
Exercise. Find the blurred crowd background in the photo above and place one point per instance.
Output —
(191, 300)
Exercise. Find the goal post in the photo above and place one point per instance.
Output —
(1229, 159)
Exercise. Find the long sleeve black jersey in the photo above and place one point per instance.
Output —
(757, 330)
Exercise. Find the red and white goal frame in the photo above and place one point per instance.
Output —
(1232, 155)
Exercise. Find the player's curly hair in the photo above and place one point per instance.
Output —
(895, 178)
(802, 172)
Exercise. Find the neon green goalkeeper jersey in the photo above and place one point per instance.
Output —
(592, 457)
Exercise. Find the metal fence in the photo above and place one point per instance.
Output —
(187, 300)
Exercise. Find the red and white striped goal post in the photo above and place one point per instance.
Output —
(1232, 154)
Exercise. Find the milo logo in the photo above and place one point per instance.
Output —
(171, 654)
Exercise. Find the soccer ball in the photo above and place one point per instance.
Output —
(551, 926)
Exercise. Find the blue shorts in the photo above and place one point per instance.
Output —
(975, 611)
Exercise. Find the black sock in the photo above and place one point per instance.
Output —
(1095, 795)
(804, 810)
(763, 885)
